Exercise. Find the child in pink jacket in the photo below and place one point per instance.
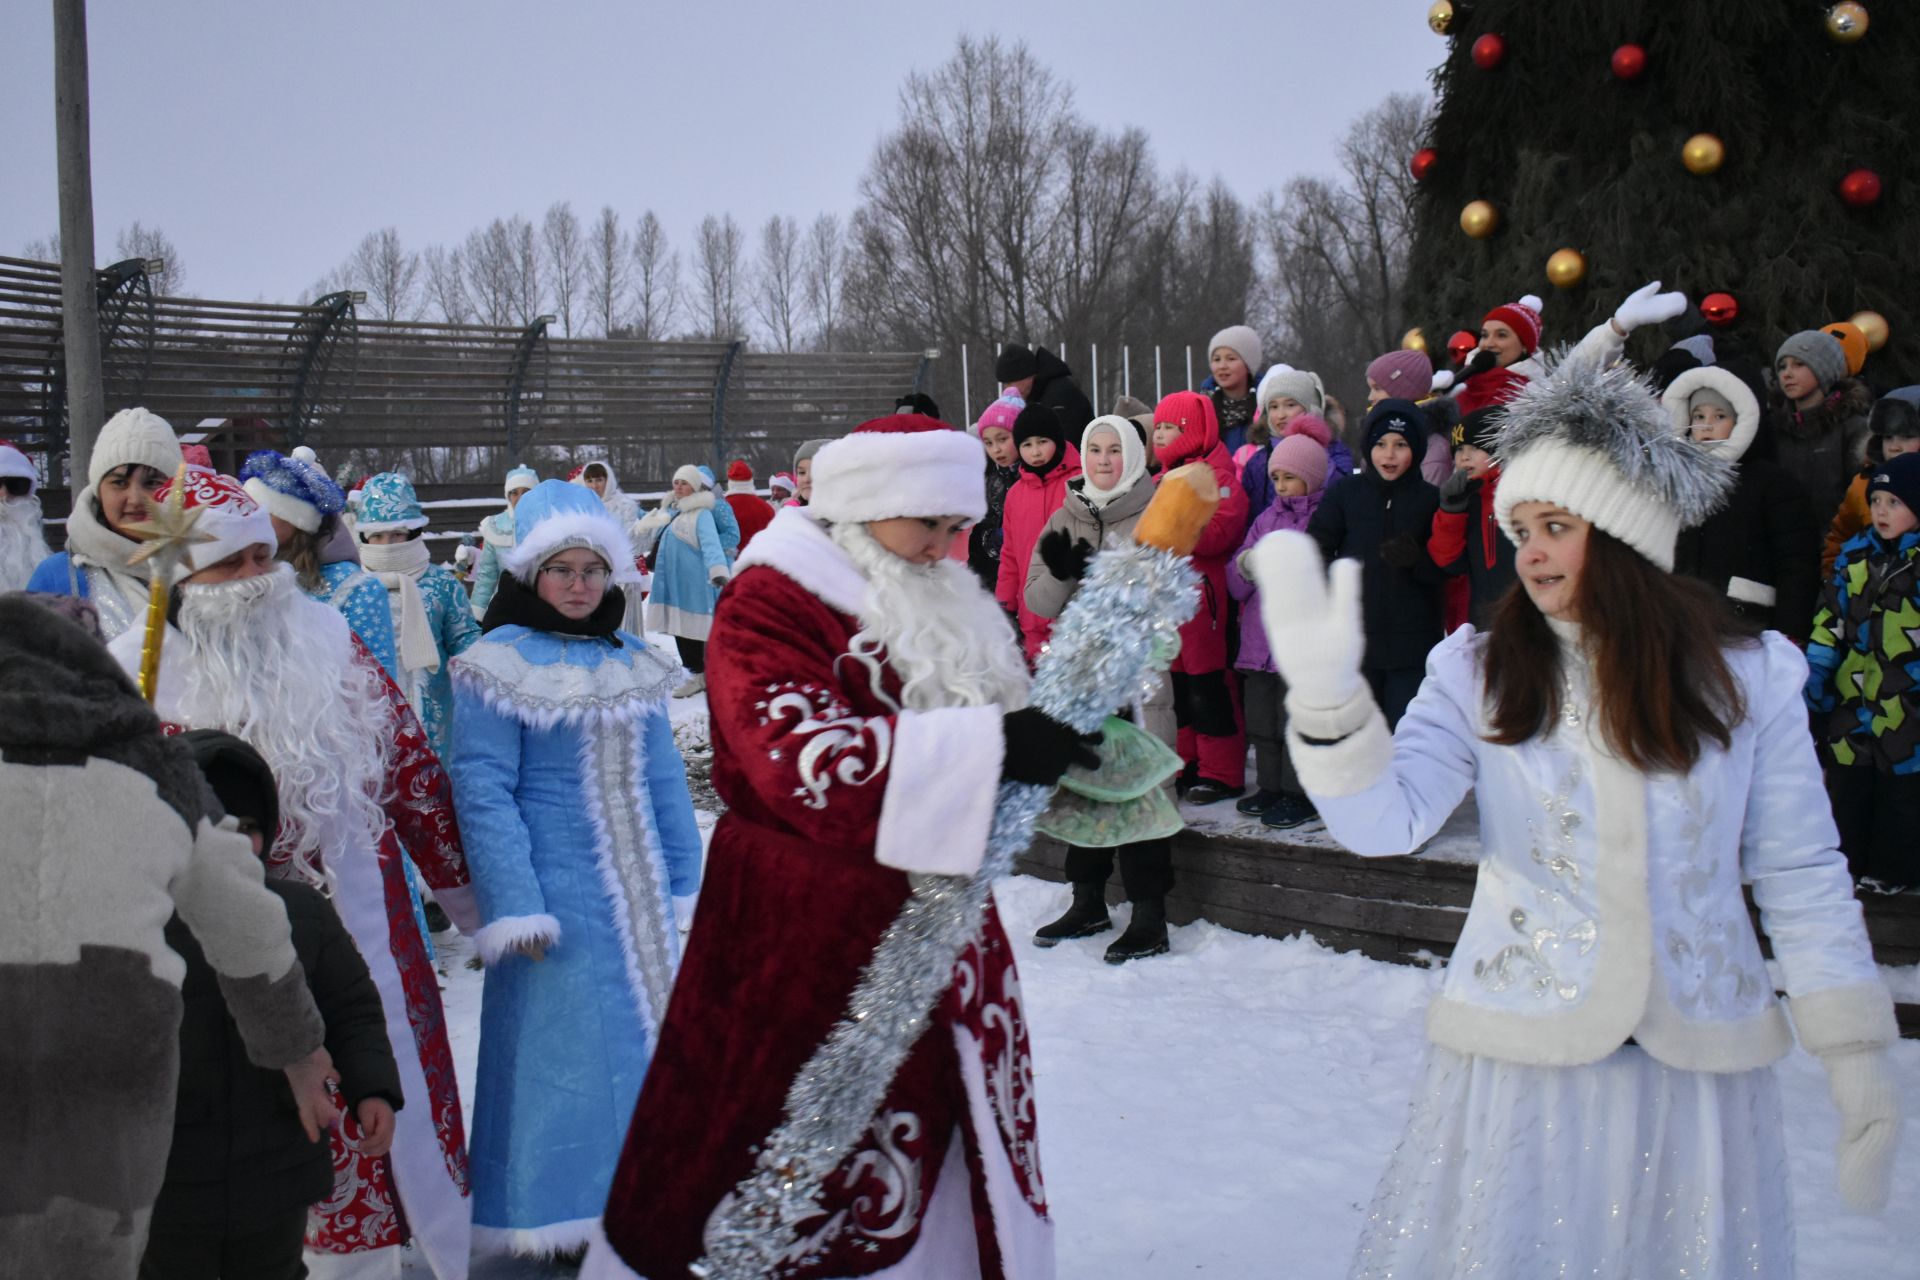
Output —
(1047, 462)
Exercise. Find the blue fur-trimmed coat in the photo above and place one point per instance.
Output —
(572, 799)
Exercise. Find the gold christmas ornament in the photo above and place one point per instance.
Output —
(1413, 340)
(1440, 17)
(1873, 325)
(1480, 219)
(1567, 268)
(1846, 22)
(1703, 153)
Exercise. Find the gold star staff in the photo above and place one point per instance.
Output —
(165, 535)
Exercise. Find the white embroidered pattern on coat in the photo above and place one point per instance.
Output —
(1552, 846)
(632, 865)
(1707, 978)
(839, 746)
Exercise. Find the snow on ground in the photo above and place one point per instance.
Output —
(1226, 1109)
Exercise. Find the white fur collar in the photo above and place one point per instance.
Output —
(795, 545)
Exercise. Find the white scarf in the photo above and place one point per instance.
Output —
(119, 590)
(399, 565)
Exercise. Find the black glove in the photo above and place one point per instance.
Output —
(1403, 552)
(1455, 492)
(1065, 556)
(1478, 363)
(1040, 749)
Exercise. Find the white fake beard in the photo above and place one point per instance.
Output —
(318, 717)
(936, 626)
(22, 545)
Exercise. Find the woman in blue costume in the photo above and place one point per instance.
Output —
(496, 539)
(688, 571)
(305, 505)
(573, 805)
(432, 617)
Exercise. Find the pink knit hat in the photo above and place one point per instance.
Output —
(1312, 426)
(1303, 456)
(1405, 375)
(1001, 413)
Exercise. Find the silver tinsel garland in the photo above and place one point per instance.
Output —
(1127, 613)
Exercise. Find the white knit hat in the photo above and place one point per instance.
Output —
(1243, 342)
(904, 465)
(134, 436)
(1595, 442)
(1299, 385)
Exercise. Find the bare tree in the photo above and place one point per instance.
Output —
(46, 249)
(656, 283)
(390, 274)
(566, 258)
(503, 271)
(138, 241)
(778, 289)
(606, 269)
(529, 297)
(822, 266)
(447, 283)
(717, 250)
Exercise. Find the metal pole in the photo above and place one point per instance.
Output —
(1189, 366)
(1126, 371)
(1158, 393)
(79, 303)
(1095, 348)
(966, 385)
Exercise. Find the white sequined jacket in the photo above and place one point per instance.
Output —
(1609, 902)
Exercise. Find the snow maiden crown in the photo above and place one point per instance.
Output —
(292, 487)
(903, 465)
(1597, 443)
(556, 516)
(387, 502)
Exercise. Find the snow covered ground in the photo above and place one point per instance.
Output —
(1226, 1109)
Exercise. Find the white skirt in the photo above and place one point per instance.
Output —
(1625, 1168)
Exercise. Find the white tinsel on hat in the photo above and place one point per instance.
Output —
(1596, 442)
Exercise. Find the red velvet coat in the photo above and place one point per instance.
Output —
(753, 512)
(1203, 640)
(822, 777)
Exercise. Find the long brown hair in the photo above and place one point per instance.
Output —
(302, 550)
(1662, 685)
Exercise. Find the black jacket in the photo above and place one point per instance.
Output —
(1823, 447)
(1767, 534)
(1055, 389)
(1401, 606)
(239, 1153)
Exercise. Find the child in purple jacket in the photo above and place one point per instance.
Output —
(1297, 469)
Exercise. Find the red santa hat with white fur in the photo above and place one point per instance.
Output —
(906, 464)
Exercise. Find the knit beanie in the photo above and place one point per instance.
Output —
(1000, 415)
(1853, 344)
(1038, 420)
(1396, 416)
(1312, 426)
(917, 402)
(133, 436)
(1900, 477)
(1014, 363)
(1406, 375)
(1710, 398)
(1304, 457)
(1301, 386)
(1523, 317)
(1597, 443)
(904, 465)
(1478, 429)
(807, 450)
(1820, 352)
(1896, 414)
(1243, 342)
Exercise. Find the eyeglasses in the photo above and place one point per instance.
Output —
(566, 575)
(17, 486)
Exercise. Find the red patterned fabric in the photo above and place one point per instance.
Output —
(801, 754)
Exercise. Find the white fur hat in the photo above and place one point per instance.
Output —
(904, 465)
(134, 436)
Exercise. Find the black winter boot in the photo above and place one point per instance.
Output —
(1146, 934)
(1086, 917)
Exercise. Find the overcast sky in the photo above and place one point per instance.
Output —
(266, 137)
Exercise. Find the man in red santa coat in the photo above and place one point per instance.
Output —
(249, 653)
(867, 702)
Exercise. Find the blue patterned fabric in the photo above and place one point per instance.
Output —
(454, 631)
(359, 596)
(387, 501)
(572, 797)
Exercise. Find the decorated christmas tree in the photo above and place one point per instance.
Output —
(1758, 156)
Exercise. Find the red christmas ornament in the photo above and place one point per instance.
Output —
(1422, 163)
(1461, 345)
(1720, 309)
(1629, 61)
(1861, 188)
(1489, 51)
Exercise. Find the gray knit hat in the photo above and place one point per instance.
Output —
(1820, 352)
(808, 449)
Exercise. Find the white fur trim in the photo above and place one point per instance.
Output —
(942, 783)
(691, 475)
(602, 1262)
(796, 546)
(363, 527)
(543, 695)
(1741, 1044)
(741, 486)
(672, 620)
(1746, 410)
(504, 936)
(1747, 591)
(598, 531)
(301, 515)
(535, 1242)
(610, 852)
(880, 475)
(1844, 1019)
(1356, 748)
(1024, 1235)
(1586, 483)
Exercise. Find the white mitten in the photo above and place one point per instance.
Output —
(1312, 619)
(1647, 305)
(1863, 1092)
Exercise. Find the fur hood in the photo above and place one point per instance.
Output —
(1746, 408)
